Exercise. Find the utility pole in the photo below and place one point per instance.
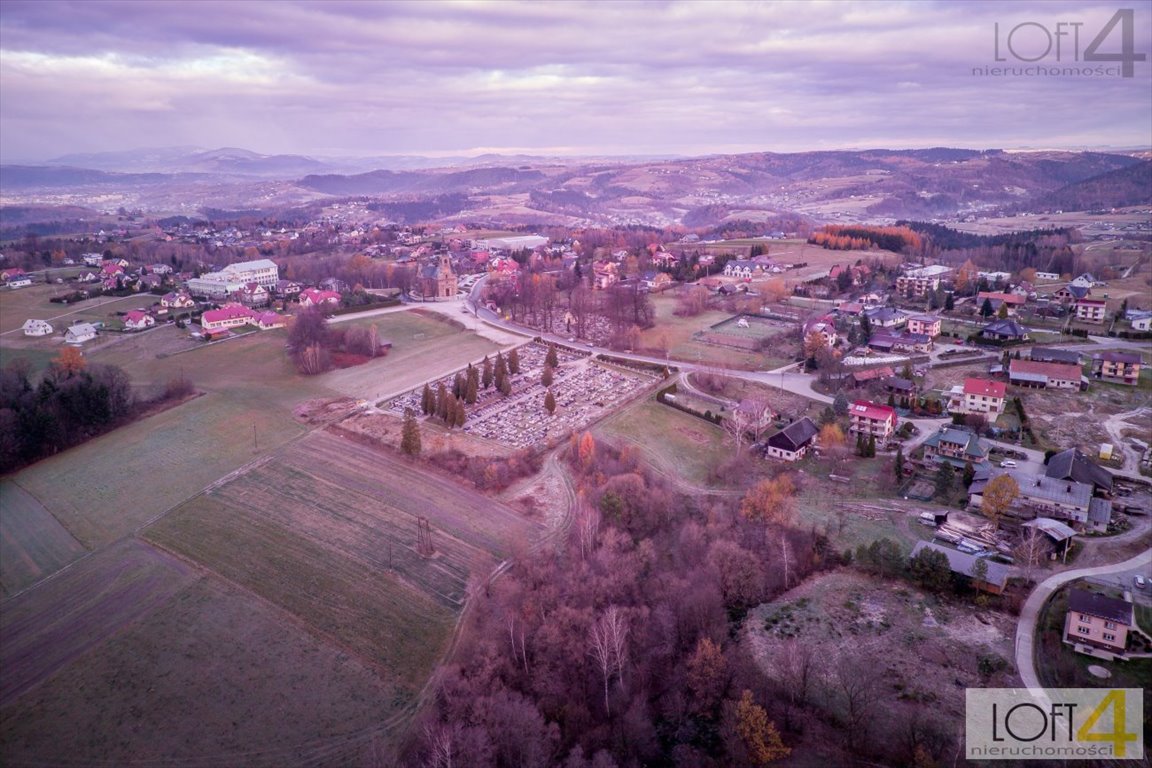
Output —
(255, 444)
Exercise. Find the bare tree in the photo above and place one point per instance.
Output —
(443, 742)
(795, 663)
(856, 680)
(1029, 550)
(760, 415)
(737, 424)
(587, 526)
(607, 645)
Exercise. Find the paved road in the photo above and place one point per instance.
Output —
(1026, 626)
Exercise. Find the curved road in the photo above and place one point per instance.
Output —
(1026, 626)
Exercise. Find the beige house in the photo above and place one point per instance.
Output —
(929, 325)
(1091, 310)
(1119, 367)
(1095, 621)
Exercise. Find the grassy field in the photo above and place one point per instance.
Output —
(106, 488)
(297, 624)
(328, 531)
(50, 628)
(672, 335)
(424, 347)
(673, 442)
(33, 302)
(835, 506)
(211, 676)
(313, 574)
(32, 543)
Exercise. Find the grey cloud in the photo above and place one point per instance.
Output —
(666, 76)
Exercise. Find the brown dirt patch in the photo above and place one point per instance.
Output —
(320, 410)
(694, 435)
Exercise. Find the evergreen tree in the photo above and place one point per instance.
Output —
(470, 389)
(986, 308)
(427, 401)
(891, 400)
(460, 416)
(865, 328)
(486, 376)
(898, 465)
(949, 303)
(458, 385)
(450, 411)
(546, 377)
(410, 434)
(506, 386)
(500, 375)
(552, 360)
(860, 444)
(442, 402)
(944, 480)
(969, 473)
(514, 361)
(550, 403)
(871, 446)
(931, 570)
(840, 404)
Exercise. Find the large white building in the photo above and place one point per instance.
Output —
(219, 285)
(515, 243)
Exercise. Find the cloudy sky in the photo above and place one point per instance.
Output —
(345, 77)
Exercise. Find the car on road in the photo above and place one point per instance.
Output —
(1008, 464)
(1139, 581)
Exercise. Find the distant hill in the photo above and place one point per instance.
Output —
(871, 185)
(1112, 189)
(37, 176)
(399, 182)
(228, 161)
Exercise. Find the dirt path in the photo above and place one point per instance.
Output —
(1117, 423)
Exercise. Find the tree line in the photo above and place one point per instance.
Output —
(71, 403)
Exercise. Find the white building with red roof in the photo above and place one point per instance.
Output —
(314, 297)
(869, 418)
(269, 320)
(978, 396)
(177, 300)
(825, 326)
(138, 320)
(228, 316)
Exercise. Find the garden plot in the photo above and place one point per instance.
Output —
(746, 332)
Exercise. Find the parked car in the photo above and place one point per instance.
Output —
(1139, 581)
(1008, 463)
